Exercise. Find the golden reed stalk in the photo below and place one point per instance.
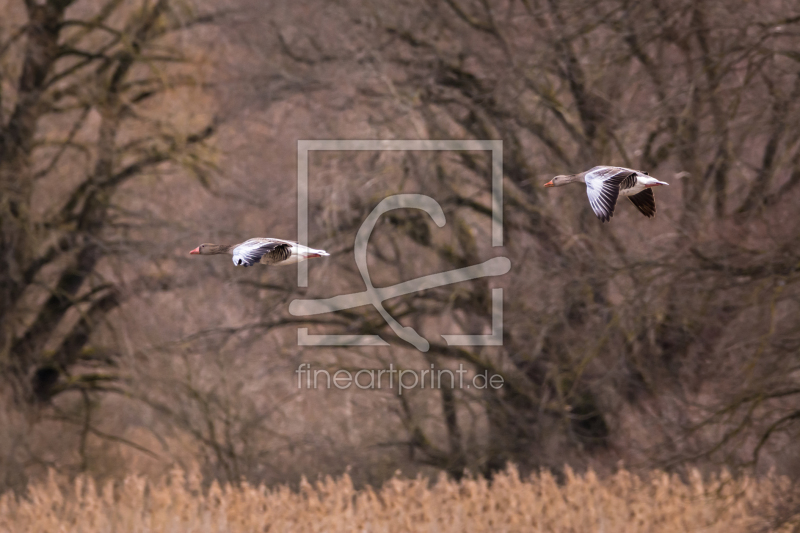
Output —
(623, 502)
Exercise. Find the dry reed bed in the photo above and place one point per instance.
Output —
(620, 503)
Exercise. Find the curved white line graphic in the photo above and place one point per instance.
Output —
(493, 267)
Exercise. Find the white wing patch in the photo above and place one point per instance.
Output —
(602, 187)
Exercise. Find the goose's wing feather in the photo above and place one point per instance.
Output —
(251, 252)
(603, 185)
(280, 253)
(645, 202)
(267, 240)
(629, 181)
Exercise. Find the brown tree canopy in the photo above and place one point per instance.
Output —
(80, 117)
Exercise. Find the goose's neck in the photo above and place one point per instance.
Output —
(577, 178)
(222, 249)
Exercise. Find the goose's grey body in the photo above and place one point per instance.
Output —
(604, 184)
(262, 250)
(269, 251)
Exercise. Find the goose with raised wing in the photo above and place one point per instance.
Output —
(605, 184)
(261, 250)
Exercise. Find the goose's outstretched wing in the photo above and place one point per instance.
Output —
(603, 185)
(249, 253)
(645, 202)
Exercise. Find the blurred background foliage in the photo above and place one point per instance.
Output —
(130, 132)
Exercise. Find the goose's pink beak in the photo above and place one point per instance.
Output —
(196, 251)
(549, 184)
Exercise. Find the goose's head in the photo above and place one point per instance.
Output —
(558, 181)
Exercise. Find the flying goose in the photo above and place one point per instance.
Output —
(264, 250)
(605, 184)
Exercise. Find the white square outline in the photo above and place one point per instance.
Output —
(494, 146)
